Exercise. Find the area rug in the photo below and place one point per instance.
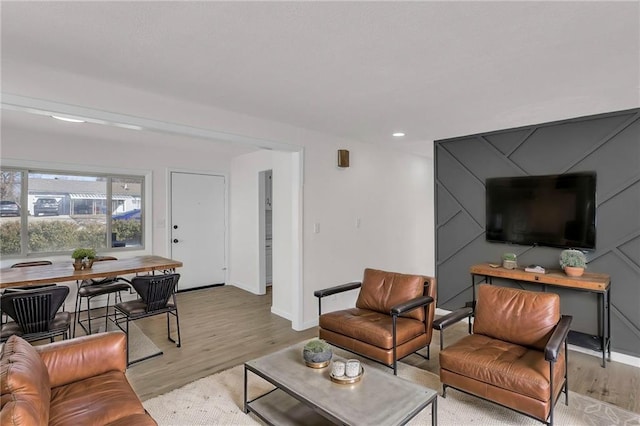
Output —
(218, 400)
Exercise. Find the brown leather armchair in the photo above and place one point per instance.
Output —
(392, 319)
(517, 354)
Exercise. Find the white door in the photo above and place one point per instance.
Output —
(198, 228)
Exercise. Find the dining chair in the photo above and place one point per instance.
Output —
(91, 288)
(157, 295)
(3, 317)
(35, 313)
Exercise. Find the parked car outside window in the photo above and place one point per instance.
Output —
(9, 208)
(45, 206)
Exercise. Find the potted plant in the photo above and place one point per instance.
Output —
(83, 258)
(573, 262)
(317, 353)
(509, 261)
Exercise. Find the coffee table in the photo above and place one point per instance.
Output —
(307, 396)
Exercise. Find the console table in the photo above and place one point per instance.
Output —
(589, 282)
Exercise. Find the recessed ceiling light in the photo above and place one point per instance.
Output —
(68, 119)
(128, 126)
(398, 134)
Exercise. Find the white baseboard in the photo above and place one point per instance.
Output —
(285, 315)
(615, 356)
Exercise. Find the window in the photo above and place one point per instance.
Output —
(10, 212)
(60, 211)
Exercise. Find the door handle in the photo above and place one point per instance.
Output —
(175, 226)
(175, 240)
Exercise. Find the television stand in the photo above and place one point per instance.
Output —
(589, 282)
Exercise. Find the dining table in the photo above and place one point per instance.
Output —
(64, 271)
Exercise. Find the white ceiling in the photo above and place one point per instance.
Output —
(356, 70)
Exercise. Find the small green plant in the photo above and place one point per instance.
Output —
(82, 253)
(317, 346)
(509, 256)
(317, 353)
(573, 258)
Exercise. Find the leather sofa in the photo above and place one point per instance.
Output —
(70, 382)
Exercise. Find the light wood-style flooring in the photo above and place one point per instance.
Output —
(225, 326)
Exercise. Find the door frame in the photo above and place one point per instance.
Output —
(262, 224)
(167, 225)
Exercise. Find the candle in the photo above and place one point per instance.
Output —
(338, 368)
(352, 369)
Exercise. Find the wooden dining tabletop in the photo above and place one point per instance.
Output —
(63, 271)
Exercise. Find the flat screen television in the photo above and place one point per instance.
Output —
(553, 210)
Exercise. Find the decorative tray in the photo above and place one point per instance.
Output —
(346, 380)
(322, 364)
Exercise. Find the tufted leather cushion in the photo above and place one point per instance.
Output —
(103, 399)
(382, 290)
(525, 318)
(501, 364)
(371, 327)
(25, 385)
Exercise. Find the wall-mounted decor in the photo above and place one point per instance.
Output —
(343, 158)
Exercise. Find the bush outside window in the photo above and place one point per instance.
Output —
(59, 211)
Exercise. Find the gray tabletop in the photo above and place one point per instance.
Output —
(380, 398)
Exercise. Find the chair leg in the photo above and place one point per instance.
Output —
(178, 327)
(76, 313)
(127, 333)
(178, 342)
(106, 312)
(566, 373)
(395, 355)
(552, 400)
(89, 315)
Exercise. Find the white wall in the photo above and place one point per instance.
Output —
(287, 236)
(246, 241)
(391, 192)
(244, 214)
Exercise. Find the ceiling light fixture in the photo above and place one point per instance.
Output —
(128, 126)
(398, 134)
(68, 119)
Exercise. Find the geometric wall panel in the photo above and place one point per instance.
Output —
(507, 142)
(552, 149)
(608, 144)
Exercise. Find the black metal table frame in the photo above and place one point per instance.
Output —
(246, 408)
(604, 323)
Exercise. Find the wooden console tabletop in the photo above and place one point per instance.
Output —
(588, 281)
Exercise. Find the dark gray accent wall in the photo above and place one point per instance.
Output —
(608, 144)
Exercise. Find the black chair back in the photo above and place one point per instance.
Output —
(34, 310)
(156, 290)
(32, 313)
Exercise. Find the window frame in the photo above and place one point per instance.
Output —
(26, 167)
